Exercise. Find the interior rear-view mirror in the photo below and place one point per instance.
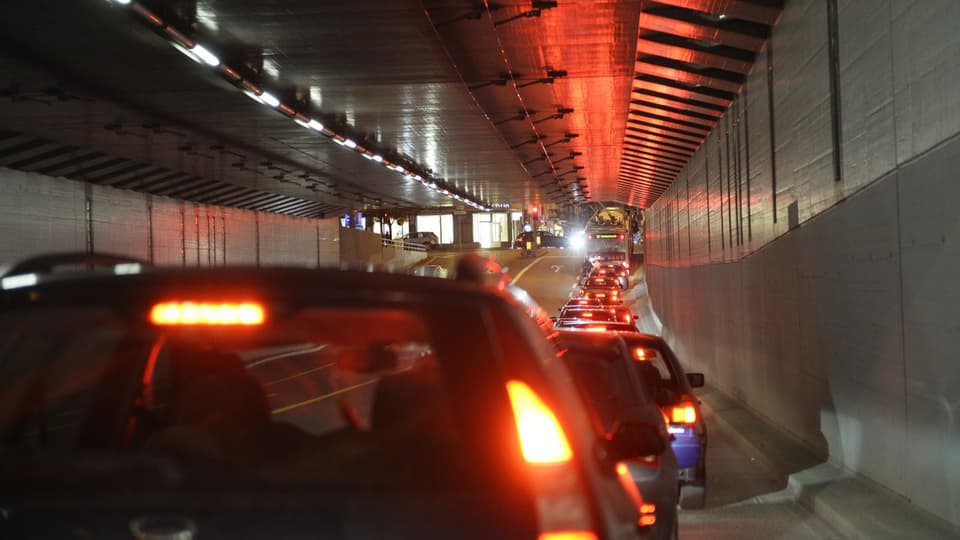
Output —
(632, 439)
(696, 380)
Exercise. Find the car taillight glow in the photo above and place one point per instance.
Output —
(542, 440)
(595, 329)
(683, 413)
(646, 509)
(567, 535)
(620, 236)
(207, 313)
(639, 354)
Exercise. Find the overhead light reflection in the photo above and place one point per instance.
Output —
(270, 100)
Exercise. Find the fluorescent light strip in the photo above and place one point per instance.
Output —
(269, 100)
(204, 54)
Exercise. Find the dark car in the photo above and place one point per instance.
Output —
(604, 373)
(426, 239)
(259, 403)
(607, 295)
(546, 239)
(612, 271)
(657, 364)
(590, 314)
(578, 324)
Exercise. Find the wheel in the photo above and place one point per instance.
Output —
(693, 497)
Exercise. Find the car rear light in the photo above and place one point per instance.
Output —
(563, 512)
(595, 329)
(627, 318)
(207, 313)
(639, 354)
(589, 237)
(620, 236)
(588, 315)
(683, 413)
(647, 510)
(542, 440)
(567, 535)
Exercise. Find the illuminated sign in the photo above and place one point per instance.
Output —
(601, 236)
(500, 206)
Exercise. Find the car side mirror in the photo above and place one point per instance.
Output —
(632, 439)
(696, 380)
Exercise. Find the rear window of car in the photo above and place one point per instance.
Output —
(603, 382)
(653, 367)
(356, 396)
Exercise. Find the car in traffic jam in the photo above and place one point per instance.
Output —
(336, 402)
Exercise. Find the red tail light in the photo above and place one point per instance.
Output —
(683, 413)
(589, 237)
(563, 512)
(206, 313)
(647, 510)
(542, 440)
(620, 236)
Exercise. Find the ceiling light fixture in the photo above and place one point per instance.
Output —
(269, 100)
(204, 54)
(350, 144)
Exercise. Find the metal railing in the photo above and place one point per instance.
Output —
(406, 246)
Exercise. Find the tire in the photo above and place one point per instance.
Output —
(693, 497)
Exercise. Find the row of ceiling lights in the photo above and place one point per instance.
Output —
(202, 55)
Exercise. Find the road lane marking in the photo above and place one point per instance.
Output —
(344, 390)
(525, 268)
(297, 352)
(301, 374)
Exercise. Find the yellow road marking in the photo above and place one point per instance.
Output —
(302, 373)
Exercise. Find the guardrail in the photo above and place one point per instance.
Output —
(400, 244)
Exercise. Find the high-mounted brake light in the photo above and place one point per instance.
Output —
(542, 440)
(201, 313)
(567, 535)
(684, 413)
(595, 329)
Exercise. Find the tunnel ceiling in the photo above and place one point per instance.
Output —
(469, 101)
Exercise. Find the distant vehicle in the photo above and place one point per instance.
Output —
(604, 373)
(431, 270)
(597, 327)
(609, 234)
(343, 403)
(659, 367)
(612, 270)
(606, 295)
(547, 239)
(426, 239)
(591, 314)
(581, 301)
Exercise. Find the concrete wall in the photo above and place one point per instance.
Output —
(40, 214)
(842, 326)
(363, 248)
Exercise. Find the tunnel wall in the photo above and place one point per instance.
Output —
(41, 214)
(832, 306)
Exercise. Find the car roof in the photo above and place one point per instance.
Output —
(286, 283)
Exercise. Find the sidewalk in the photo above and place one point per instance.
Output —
(853, 505)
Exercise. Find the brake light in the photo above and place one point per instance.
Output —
(620, 236)
(595, 329)
(207, 313)
(639, 354)
(627, 318)
(588, 314)
(542, 440)
(563, 512)
(683, 413)
(589, 237)
(647, 510)
(567, 535)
